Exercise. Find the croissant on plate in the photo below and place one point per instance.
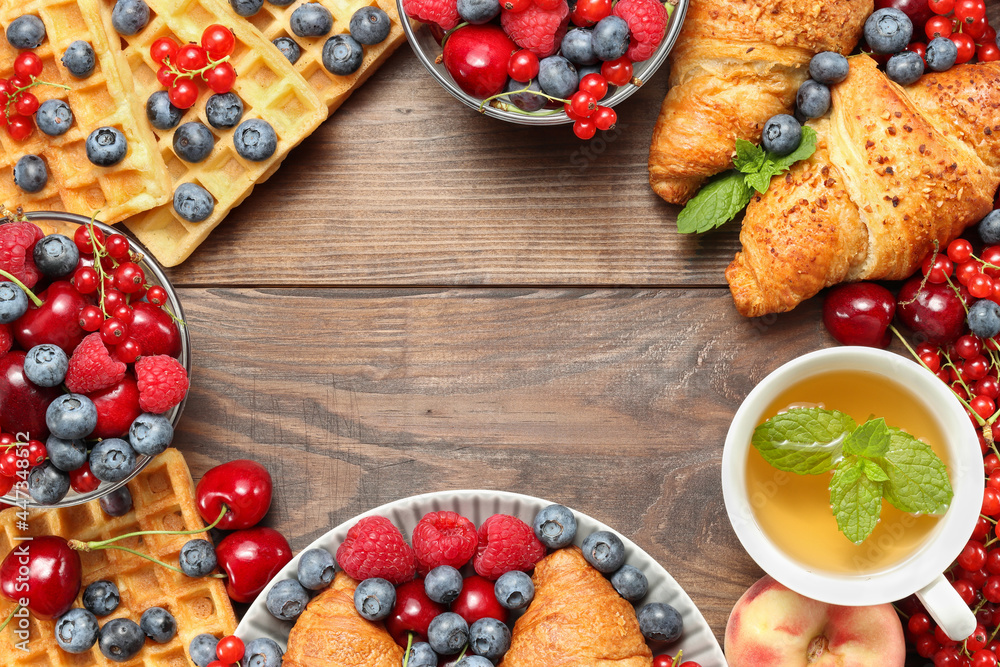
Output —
(330, 633)
(576, 619)
(896, 171)
(736, 64)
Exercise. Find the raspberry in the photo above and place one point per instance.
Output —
(444, 538)
(375, 548)
(17, 245)
(506, 543)
(647, 19)
(6, 339)
(91, 368)
(538, 30)
(162, 381)
(442, 12)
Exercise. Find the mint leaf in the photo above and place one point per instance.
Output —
(856, 499)
(749, 158)
(715, 204)
(870, 440)
(918, 479)
(761, 180)
(805, 441)
(805, 151)
(873, 471)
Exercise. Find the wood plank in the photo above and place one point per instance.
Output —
(615, 402)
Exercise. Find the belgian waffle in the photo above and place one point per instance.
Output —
(270, 89)
(163, 497)
(137, 183)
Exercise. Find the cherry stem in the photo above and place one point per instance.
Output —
(31, 295)
(444, 40)
(146, 556)
(94, 546)
(409, 645)
(17, 608)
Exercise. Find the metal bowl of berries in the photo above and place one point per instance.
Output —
(155, 321)
(475, 63)
(697, 640)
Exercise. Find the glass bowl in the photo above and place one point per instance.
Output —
(428, 50)
(154, 275)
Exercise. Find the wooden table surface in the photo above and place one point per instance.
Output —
(425, 299)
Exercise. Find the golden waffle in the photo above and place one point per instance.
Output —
(163, 497)
(270, 89)
(137, 183)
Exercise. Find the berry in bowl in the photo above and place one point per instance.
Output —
(543, 62)
(94, 359)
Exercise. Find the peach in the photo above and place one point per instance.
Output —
(772, 626)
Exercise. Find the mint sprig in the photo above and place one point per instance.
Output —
(870, 462)
(726, 195)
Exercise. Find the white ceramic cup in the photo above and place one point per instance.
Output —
(920, 573)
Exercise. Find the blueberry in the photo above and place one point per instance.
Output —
(76, 631)
(79, 59)
(782, 135)
(584, 70)
(70, 416)
(610, 38)
(224, 110)
(255, 140)
(630, 583)
(989, 228)
(905, 68)
(193, 142)
(117, 503)
(288, 48)
(421, 655)
(30, 173)
(443, 584)
(514, 590)
(813, 99)
(158, 624)
(13, 302)
(474, 661)
(26, 32)
(262, 652)
(46, 365)
(47, 484)
(193, 202)
(578, 47)
(129, 16)
(121, 639)
(67, 455)
(941, 54)
(555, 526)
(489, 638)
(448, 633)
(202, 649)
(526, 101)
(829, 68)
(281, 3)
(112, 460)
(984, 318)
(198, 558)
(604, 550)
(101, 598)
(246, 7)
(150, 434)
(557, 77)
(311, 19)
(888, 30)
(370, 25)
(106, 146)
(161, 113)
(374, 599)
(53, 117)
(342, 55)
(316, 569)
(476, 12)
(287, 599)
(56, 256)
(660, 622)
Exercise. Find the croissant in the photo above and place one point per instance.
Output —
(577, 619)
(736, 64)
(330, 633)
(896, 172)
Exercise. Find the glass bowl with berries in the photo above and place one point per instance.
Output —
(543, 62)
(94, 359)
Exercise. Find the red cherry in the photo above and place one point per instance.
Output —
(218, 41)
(916, 10)
(117, 407)
(478, 600)
(230, 649)
(82, 480)
(153, 330)
(162, 49)
(919, 48)
(183, 94)
(22, 403)
(617, 72)
(859, 314)
(250, 558)
(243, 487)
(932, 310)
(523, 66)
(413, 613)
(27, 64)
(476, 56)
(52, 580)
(190, 58)
(221, 78)
(19, 127)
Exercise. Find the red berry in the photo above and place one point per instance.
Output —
(129, 277)
(18, 82)
(977, 29)
(36, 453)
(975, 369)
(230, 649)
(988, 387)
(515, 6)
(968, 347)
(91, 318)
(595, 84)
(583, 103)
(988, 52)
(942, 7)
(218, 41)
(977, 640)
(27, 104)
(965, 590)
(938, 268)
(919, 48)
(973, 556)
(184, 94)
(444, 538)
(605, 118)
(191, 57)
(156, 295)
(162, 49)
(984, 658)
(85, 279)
(91, 368)
(374, 547)
(117, 246)
(413, 613)
(112, 297)
(113, 331)
(932, 360)
(478, 600)
(980, 286)
(163, 383)
(991, 506)
(166, 76)
(991, 462)
(523, 66)
(966, 47)
(123, 313)
(970, 11)
(82, 479)
(8, 463)
(617, 72)
(221, 78)
(585, 128)
(506, 543)
(919, 623)
(927, 645)
(647, 23)
(19, 127)
(128, 351)
(27, 64)
(938, 26)
(589, 12)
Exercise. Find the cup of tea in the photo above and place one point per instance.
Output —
(785, 521)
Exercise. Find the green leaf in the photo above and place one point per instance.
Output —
(749, 158)
(715, 204)
(870, 440)
(873, 471)
(856, 499)
(918, 480)
(806, 441)
(805, 151)
(761, 180)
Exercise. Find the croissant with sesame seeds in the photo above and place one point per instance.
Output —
(896, 172)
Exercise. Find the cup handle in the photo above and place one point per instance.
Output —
(947, 608)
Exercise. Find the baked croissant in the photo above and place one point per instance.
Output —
(736, 64)
(330, 633)
(577, 619)
(896, 171)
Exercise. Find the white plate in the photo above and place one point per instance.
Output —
(698, 641)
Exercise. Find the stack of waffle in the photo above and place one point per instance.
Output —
(293, 99)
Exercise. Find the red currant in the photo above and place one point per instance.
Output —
(19, 127)
(932, 360)
(156, 295)
(82, 479)
(18, 82)
(969, 11)
(117, 246)
(991, 506)
(584, 104)
(128, 351)
(8, 463)
(966, 271)
(965, 590)
(522, 66)
(112, 299)
(938, 268)
(926, 645)
(221, 78)
(980, 286)
(218, 41)
(85, 241)
(162, 49)
(184, 94)
(988, 387)
(994, 480)
(595, 84)
(942, 7)
(113, 331)
(166, 76)
(968, 347)
(959, 251)
(85, 280)
(977, 640)
(938, 26)
(91, 318)
(27, 64)
(617, 72)
(966, 47)
(984, 658)
(129, 277)
(919, 623)
(585, 128)
(605, 118)
(588, 12)
(991, 257)
(973, 556)
(230, 649)
(124, 313)
(919, 48)
(988, 52)
(975, 369)
(991, 462)
(36, 452)
(190, 58)
(976, 29)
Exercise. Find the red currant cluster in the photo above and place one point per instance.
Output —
(17, 457)
(19, 104)
(208, 61)
(964, 22)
